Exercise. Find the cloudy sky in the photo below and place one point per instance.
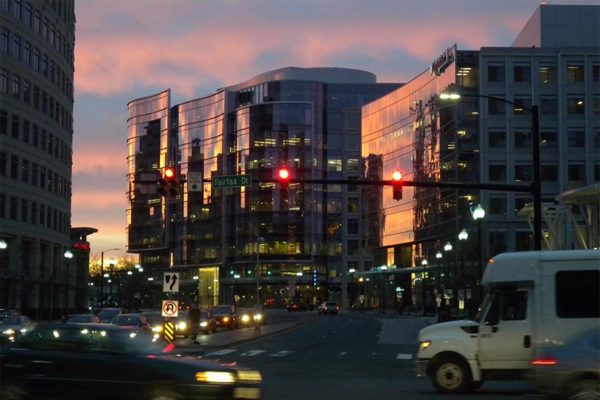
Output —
(130, 49)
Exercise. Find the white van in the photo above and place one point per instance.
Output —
(532, 298)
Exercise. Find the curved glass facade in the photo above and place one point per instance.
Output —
(36, 136)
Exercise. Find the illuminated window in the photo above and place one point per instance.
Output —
(547, 74)
(574, 73)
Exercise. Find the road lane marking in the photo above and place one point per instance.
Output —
(221, 352)
(404, 356)
(251, 353)
(282, 353)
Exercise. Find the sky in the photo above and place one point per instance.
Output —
(125, 50)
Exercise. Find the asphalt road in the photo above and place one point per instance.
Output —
(349, 356)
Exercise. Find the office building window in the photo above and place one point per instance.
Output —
(497, 205)
(24, 210)
(549, 173)
(548, 140)
(596, 137)
(523, 173)
(34, 212)
(26, 91)
(576, 172)
(352, 205)
(574, 73)
(353, 248)
(548, 106)
(3, 80)
(597, 171)
(497, 173)
(3, 122)
(15, 126)
(13, 207)
(496, 107)
(497, 139)
(522, 73)
(575, 105)
(497, 242)
(522, 139)
(547, 74)
(576, 138)
(522, 105)
(25, 170)
(352, 226)
(5, 41)
(596, 73)
(523, 241)
(596, 105)
(3, 161)
(17, 47)
(496, 73)
(2, 205)
(34, 174)
(15, 87)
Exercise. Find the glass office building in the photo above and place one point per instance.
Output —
(295, 244)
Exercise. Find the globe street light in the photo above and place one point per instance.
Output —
(424, 264)
(478, 214)
(68, 255)
(462, 237)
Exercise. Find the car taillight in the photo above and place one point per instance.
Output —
(544, 361)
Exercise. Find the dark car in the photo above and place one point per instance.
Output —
(134, 320)
(16, 326)
(107, 314)
(183, 325)
(570, 371)
(5, 313)
(329, 307)
(208, 323)
(226, 316)
(81, 319)
(252, 317)
(100, 361)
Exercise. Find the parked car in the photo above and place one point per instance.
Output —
(16, 326)
(113, 362)
(226, 316)
(570, 371)
(208, 323)
(107, 314)
(134, 320)
(81, 319)
(329, 307)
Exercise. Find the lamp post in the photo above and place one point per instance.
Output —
(68, 255)
(259, 240)
(424, 264)
(478, 214)
(111, 265)
(536, 183)
(100, 300)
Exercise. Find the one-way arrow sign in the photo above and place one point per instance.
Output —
(171, 282)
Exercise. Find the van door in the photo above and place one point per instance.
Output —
(505, 333)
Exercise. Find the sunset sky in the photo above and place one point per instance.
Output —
(129, 49)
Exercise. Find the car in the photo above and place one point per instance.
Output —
(103, 361)
(107, 314)
(329, 307)
(226, 316)
(16, 326)
(155, 320)
(208, 323)
(183, 326)
(81, 319)
(251, 317)
(134, 320)
(570, 371)
(296, 306)
(5, 312)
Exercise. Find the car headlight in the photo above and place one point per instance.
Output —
(157, 328)
(245, 318)
(182, 326)
(424, 344)
(225, 319)
(204, 324)
(215, 377)
(9, 332)
(257, 317)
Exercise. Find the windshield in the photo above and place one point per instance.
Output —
(80, 318)
(126, 320)
(484, 305)
(11, 321)
(107, 314)
(221, 310)
(154, 318)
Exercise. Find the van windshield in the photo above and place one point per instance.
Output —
(484, 305)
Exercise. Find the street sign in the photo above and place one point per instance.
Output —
(169, 332)
(170, 308)
(171, 282)
(229, 181)
(194, 181)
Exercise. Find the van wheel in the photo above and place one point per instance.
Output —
(585, 389)
(451, 375)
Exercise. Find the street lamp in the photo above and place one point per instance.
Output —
(100, 300)
(462, 236)
(536, 183)
(424, 264)
(3, 244)
(111, 265)
(478, 214)
(259, 241)
(68, 255)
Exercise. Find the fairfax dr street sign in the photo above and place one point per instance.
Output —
(231, 181)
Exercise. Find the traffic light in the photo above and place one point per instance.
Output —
(283, 176)
(168, 184)
(397, 185)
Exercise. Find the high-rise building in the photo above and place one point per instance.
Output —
(286, 244)
(485, 136)
(36, 136)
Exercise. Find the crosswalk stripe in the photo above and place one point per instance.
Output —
(251, 353)
(282, 353)
(221, 352)
(403, 356)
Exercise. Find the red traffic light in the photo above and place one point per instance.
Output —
(169, 173)
(283, 174)
(397, 185)
(397, 176)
